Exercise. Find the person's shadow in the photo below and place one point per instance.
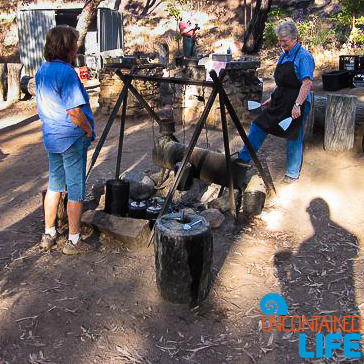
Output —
(318, 281)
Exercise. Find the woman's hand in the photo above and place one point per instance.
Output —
(296, 112)
(267, 103)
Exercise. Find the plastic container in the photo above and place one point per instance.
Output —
(335, 80)
(349, 63)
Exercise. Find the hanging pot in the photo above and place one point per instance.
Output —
(187, 178)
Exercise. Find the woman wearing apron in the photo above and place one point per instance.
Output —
(291, 98)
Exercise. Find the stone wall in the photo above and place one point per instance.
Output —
(241, 84)
(111, 86)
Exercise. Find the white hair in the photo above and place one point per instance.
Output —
(287, 29)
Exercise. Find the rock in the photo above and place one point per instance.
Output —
(131, 233)
(214, 217)
(254, 197)
(222, 203)
(97, 190)
(211, 193)
(193, 195)
(101, 205)
(188, 210)
(141, 185)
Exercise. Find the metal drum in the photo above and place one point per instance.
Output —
(117, 197)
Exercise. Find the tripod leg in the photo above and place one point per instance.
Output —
(108, 126)
(121, 135)
(141, 99)
(187, 156)
(227, 155)
(236, 121)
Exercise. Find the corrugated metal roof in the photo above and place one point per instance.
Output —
(32, 29)
(34, 24)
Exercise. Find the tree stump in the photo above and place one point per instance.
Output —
(14, 91)
(2, 81)
(183, 258)
(340, 123)
(321, 103)
(310, 119)
(254, 197)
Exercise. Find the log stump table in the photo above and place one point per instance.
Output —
(183, 257)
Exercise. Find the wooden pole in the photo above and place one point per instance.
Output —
(2, 81)
(14, 91)
(225, 135)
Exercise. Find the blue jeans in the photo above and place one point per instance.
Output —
(67, 170)
(294, 147)
(189, 47)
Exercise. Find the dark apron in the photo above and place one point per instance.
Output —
(283, 98)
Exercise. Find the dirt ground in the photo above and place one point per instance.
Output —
(105, 307)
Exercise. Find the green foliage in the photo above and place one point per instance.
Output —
(313, 32)
(353, 7)
(278, 13)
(174, 12)
(270, 38)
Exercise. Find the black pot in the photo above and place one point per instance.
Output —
(152, 213)
(137, 209)
(117, 197)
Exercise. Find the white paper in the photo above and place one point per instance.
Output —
(253, 105)
(284, 124)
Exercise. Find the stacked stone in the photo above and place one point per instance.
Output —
(241, 84)
(189, 100)
(111, 86)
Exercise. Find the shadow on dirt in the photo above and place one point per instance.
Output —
(318, 280)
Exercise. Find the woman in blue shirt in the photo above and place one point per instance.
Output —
(68, 129)
(291, 98)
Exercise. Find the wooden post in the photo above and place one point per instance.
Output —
(14, 91)
(310, 119)
(2, 81)
(183, 258)
(340, 123)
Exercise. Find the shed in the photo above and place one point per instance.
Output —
(105, 33)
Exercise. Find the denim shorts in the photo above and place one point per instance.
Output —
(67, 170)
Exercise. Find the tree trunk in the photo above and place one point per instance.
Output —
(2, 81)
(84, 21)
(340, 123)
(183, 258)
(253, 37)
(117, 4)
(14, 91)
(320, 111)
